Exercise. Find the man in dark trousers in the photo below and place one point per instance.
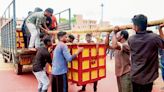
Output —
(144, 47)
(26, 33)
(42, 57)
(61, 56)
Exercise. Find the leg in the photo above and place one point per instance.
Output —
(162, 66)
(62, 83)
(45, 81)
(95, 86)
(148, 87)
(119, 84)
(28, 38)
(33, 32)
(162, 69)
(142, 88)
(25, 40)
(136, 87)
(40, 85)
(37, 41)
(59, 83)
(83, 87)
(54, 83)
(65, 83)
(111, 54)
(126, 84)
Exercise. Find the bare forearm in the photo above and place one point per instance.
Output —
(42, 28)
(107, 40)
(160, 31)
(45, 26)
(114, 41)
(115, 44)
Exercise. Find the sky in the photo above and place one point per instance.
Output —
(115, 11)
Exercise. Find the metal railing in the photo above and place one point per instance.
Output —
(8, 29)
(67, 24)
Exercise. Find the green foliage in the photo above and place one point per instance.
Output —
(64, 20)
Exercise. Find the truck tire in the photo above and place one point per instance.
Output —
(5, 60)
(11, 58)
(18, 69)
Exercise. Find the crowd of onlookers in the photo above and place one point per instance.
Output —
(136, 57)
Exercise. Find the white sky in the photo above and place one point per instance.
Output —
(115, 11)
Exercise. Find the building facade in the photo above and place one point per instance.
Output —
(83, 24)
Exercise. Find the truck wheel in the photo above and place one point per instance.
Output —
(18, 69)
(5, 60)
(11, 58)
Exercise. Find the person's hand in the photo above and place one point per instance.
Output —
(46, 31)
(108, 34)
(161, 26)
(80, 49)
(116, 29)
(51, 49)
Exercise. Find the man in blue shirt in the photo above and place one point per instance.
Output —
(59, 64)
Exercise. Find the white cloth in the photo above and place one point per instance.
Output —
(34, 39)
(43, 81)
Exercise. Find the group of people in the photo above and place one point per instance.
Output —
(36, 25)
(136, 57)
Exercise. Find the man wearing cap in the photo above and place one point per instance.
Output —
(34, 22)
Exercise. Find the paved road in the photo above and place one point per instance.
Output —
(10, 82)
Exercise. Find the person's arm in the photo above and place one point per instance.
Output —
(158, 41)
(115, 44)
(39, 25)
(49, 60)
(107, 41)
(161, 31)
(43, 29)
(67, 54)
(45, 26)
(56, 25)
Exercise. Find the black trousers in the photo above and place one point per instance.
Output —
(142, 88)
(59, 83)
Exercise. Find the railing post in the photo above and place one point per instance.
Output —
(9, 13)
(14, 26)
(59, 18)
(69, 18)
